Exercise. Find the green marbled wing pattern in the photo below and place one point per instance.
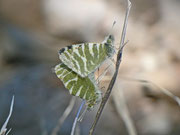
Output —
(85, 58)
(85, 88)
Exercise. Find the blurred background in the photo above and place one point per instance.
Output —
(32, 32)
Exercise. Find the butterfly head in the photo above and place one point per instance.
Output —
(110, 39)
(109, 43)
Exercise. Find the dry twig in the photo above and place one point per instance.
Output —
(118, 61)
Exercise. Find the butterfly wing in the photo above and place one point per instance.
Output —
(84, 58)
(85, 88)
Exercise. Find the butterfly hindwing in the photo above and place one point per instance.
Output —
(85, 88)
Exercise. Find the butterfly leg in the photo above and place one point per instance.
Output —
(113, 61)
(100, 77)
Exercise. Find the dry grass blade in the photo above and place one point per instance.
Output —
(64, 116)
(4, 127)
(122, 109)
(77, 117)
(165, 91)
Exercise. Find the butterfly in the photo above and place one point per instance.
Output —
(85, 88)
(85, 58)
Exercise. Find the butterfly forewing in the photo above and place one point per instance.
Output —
(85, 88)
(85, 58)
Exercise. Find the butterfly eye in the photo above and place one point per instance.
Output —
(69, 47)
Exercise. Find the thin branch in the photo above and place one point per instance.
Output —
(77, 117)
(163, 90)
(118, 61)
(64, 116)
(4, 127)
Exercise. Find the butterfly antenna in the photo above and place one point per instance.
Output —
(110, 32)
(102, 75)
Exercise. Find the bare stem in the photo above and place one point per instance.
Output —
(118, 61)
